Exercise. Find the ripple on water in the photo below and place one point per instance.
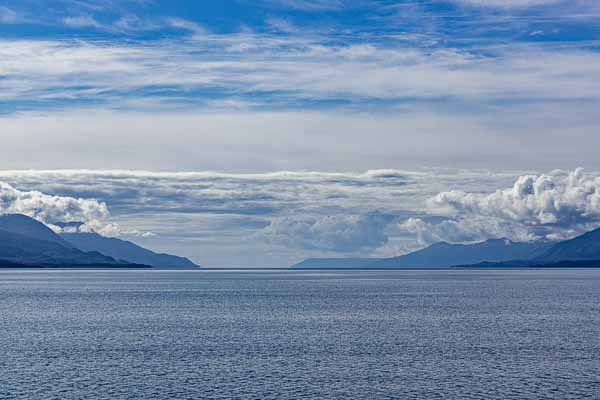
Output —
(278, 335)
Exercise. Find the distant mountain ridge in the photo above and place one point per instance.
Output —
(444, 255)
(17, 249)
(125, 250)
(26, 226)
(26, 242)
(581, 251)
(584, 247)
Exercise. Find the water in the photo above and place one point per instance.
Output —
(302, 334)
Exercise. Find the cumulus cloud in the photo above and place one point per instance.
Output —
(62, 213)
(345, 234)
(551, 202)
(50, 209)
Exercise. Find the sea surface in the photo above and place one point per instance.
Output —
(513, 334)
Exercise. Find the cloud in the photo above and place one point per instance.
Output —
(310, 5)
(345, 234)
(281, 24)
(295, 72)
(554, 202)
(82, 21)
(63, 213)
(187, 25)
(275, 218)
(8, 16)
(508, 3)
(50, 209)
(464, 230)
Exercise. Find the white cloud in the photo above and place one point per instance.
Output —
(281, 24)
(464, 230)
(344, 234)
(291, 69)
(225, 219)
(81, 21)
(321, 140)
(86, 214)
(556, 201)
(185, 24)
(50, 209)
(310, 5)
(275, 218)
(508, 3)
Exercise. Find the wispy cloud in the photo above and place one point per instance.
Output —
(8, 16)
(293, 71)
(310, 5)
(184, 24)
(508, 3)
(82, 21)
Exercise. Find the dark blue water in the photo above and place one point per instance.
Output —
(292, 335)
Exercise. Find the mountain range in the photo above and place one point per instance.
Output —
(500, 253)
(26, 242)
(124, 250)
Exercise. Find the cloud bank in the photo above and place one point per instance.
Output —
(344, 234)
(277, 218)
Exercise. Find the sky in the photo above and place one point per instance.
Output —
(259, 133)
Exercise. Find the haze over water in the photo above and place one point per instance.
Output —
(299, 334)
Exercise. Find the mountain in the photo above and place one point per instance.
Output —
(26, 226)
(124, 250)
(582, 252)
(584, 247)
(26, 242)
(441, 255)
(533, 264)
(333, 263)
(17, 249)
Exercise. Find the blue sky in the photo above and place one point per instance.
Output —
(488, 89)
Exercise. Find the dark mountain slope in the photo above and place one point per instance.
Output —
(124, 250)
(21, 249)
(584, 247)
(441, 255)
(26, 226)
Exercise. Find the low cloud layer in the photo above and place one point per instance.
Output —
(344, 234)
(275, 219)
